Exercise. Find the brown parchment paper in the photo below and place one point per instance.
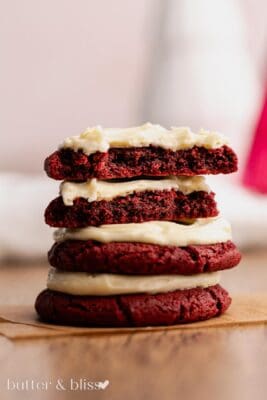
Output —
(21, 321)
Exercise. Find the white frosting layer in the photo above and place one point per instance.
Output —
(96, 190)
(82, 283)
(177, 138)
(202, 231)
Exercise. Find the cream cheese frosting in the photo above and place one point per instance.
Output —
(96, 190)
(85, 284)
(201, 231)
(177, 138)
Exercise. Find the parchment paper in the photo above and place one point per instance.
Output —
(21, 321)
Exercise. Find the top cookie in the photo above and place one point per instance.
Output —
(148, 150)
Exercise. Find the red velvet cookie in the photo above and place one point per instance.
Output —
(142, 258)
(139, 161)
(164, 205)
(178, 307)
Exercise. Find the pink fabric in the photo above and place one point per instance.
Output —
(256, 169)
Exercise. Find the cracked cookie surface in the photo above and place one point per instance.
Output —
(181, 306)
(142, 258)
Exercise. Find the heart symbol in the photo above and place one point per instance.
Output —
(103, 385)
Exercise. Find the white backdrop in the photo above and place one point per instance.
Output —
(67, 65)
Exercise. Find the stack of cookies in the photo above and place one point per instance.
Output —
(139, 239)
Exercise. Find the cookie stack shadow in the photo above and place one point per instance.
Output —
(139, 239)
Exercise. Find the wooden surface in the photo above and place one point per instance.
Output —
(215, 363)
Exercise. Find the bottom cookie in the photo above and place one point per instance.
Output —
(178, 307)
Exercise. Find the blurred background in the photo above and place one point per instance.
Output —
(67, 65)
